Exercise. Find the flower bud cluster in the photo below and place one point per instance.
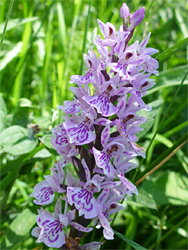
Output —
(98, 136)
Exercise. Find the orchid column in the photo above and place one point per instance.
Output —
(98, 137)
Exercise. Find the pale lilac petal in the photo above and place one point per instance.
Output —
(70, 107)
(129, 187)
(105, 135)
(58, 208)
(79, 134)
(59, 138)
(93, 245)
(87, 78)
(102, 103)
(52, 233)
(110, 184)
(87, 171)
(43, 193)
(103, 161)
(80, 227)
(52, 181)
(107, 230)
(36, 232)
(84, 202)
(102, 122)
(143, 44)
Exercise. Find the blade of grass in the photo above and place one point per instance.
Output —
(17, 88)
(163, 158)
(176, 129)
(46, 68)
(63, 44)
(85, 37)
(130, 242)
(77, 4)
(6, 22)
(167, 53)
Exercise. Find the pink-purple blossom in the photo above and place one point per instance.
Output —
(98, 136)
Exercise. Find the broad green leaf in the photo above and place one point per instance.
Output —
(143, 199)
(11, 135)
(15, 140)
(130, 242)
(13, 23)
(167, 188)
(167, 53)
(22, 146)
(46, 140)
(19, 229)
(10, 55)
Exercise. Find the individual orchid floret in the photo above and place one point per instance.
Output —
(80, 133)
(136, 18)
(94, 66)
(127, 186)
(44, 191)
(110, 149)
(108, 30)
(83, 198)
(70, 107)
(102, 101)
(109, 206)
(50, 230)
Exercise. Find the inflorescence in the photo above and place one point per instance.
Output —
(98, 137)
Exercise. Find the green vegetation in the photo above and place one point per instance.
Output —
(41, 46)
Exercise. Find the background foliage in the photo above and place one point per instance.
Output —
(42, 46)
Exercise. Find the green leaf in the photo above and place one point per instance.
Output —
(150, 117)
(10, 55)
(168, 188)
(167, 53)
(46, 140)
(16, 22)
(130, 242)
(3, 106)
(169, 78)
(143, 199)
(19, 229)
(15, 140)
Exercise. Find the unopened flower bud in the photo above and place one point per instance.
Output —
(124, 12)
(136, 18)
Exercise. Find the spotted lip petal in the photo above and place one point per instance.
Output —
(83, 201)
(52, 233)
(79, 134)
(43, 193)
(102, 103)
(103, 161)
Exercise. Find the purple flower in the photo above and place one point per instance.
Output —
(81, 133)
(98, 135)
(50, 230)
